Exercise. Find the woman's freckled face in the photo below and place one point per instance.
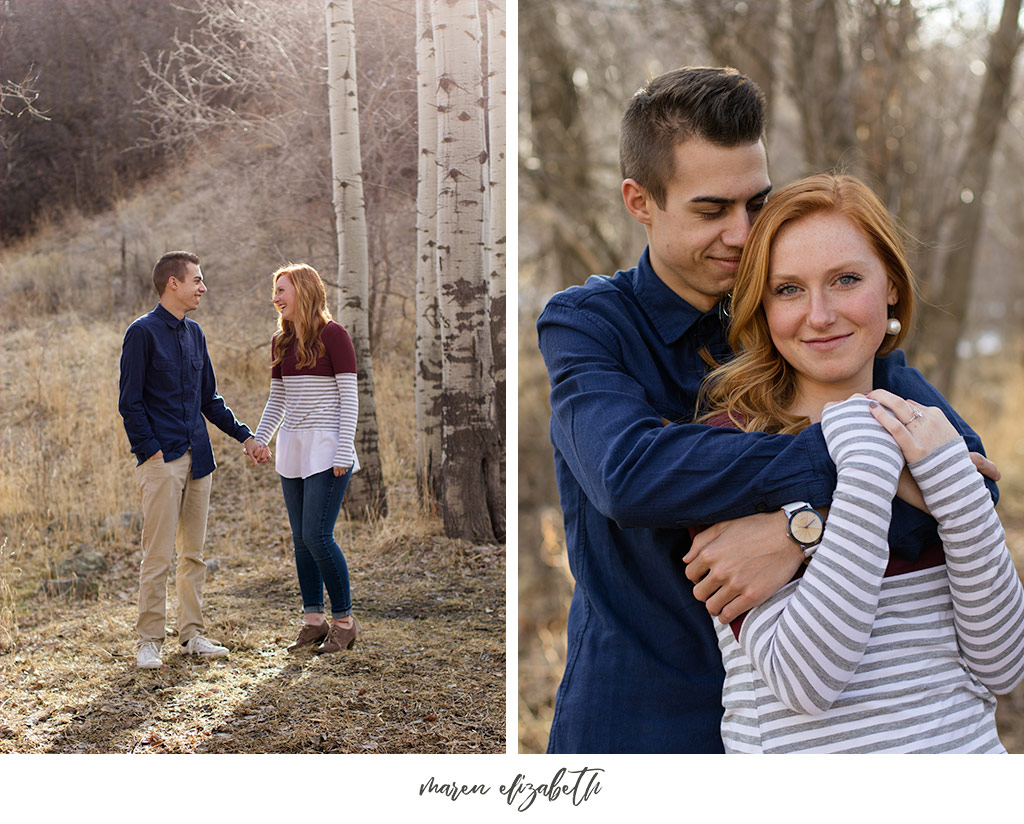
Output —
(826, 301)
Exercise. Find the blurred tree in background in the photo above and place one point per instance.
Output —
(84, 152)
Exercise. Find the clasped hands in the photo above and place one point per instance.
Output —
(737, 565)
(258, 453)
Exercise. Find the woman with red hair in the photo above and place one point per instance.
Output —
(861, 651)
(313, 399)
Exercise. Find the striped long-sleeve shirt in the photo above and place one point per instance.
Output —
(316, 408)
(864, 654)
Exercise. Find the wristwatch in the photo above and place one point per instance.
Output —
(805, 527)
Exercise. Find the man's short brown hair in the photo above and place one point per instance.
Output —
(718, 105)
(173, 264)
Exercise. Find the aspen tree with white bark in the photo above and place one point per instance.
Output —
(428, 339)
(366, 495)
(944, 316)
(496, 100)
(472, 498)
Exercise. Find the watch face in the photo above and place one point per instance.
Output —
(805, 526)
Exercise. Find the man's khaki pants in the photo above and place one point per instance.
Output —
(174, 508)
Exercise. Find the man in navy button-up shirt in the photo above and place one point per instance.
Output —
(626, 356)
(167, 393)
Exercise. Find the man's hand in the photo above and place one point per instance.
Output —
(249, 448)
(909, 491)
(985, 466)
(737, 565)
(258, 453)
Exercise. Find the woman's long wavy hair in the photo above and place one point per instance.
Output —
(757, 387)
(311, 315)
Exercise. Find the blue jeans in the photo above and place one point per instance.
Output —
(313, 505)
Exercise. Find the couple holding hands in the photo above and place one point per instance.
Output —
(167, 393)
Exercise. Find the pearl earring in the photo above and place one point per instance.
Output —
(893, 326)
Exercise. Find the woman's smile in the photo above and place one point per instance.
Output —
(284, 291)
(827, 344)
(826, 302)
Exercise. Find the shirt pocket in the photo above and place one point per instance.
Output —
(165, 374)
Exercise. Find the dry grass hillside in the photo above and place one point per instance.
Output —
(428, 674)
(990, 397)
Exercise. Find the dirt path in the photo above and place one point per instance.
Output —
(427, 676)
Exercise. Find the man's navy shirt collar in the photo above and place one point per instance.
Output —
(670, 315)
(167, 317)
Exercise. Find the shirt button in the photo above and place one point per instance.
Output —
(760, 507)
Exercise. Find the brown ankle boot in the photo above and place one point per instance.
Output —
(339, 638)
(310, 636)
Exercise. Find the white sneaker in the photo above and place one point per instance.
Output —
(149, 656)
(197, 645)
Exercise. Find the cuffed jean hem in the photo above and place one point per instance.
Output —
(320, 608)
